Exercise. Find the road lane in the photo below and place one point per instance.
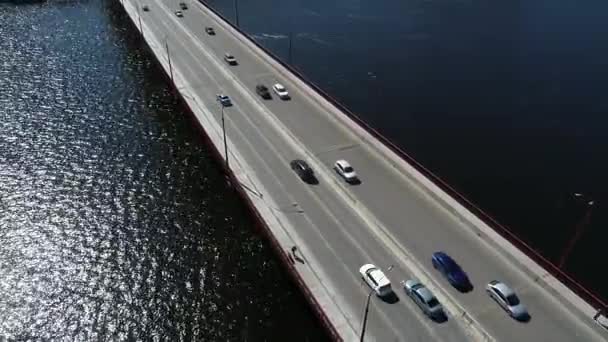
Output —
(412, 219)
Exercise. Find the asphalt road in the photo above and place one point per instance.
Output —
(337, 233)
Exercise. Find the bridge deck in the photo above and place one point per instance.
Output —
(394, 217)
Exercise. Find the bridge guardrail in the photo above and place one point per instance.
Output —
(586, 294)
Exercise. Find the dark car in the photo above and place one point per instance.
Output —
(452, 271)
(183, 5)
(262, 91)
(210, 31)
(303, 170)
(145, 8)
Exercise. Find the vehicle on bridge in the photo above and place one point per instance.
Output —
(424, 298)
(507, 299)
(224, 100)
(376, 279)
(281, 91)
(210, 31)
(344, 169)
(229, 58)
(263, 91)
(304, 171)
(452, 271)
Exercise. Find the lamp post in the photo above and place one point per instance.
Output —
(289, 49)
(365, 313)
(139, 17)
(369, 296)
(169, 59)
(289, 35)
(580, 228)
(225, 143)
(236, 12)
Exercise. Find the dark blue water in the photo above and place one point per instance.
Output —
(115, 221)
(506, 101)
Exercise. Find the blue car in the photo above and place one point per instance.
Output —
(452, 271)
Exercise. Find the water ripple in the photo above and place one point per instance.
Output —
(115, 223)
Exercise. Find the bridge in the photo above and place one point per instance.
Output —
(395, 218)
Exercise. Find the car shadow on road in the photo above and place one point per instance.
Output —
(442, 318)
(465, 288)
(312, 180)
(390, 298)
(524, 319)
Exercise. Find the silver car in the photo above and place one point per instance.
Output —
(230, 59)
(507, 299)
(281, 91)
(344, 169)
(425, 299)
(224, 100)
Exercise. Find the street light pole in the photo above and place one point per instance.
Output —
(580, 228)
(369, 296)
(225, 144)
(289, 49)
(139, 17)
(236, 12)
(290, 34)
(364, 325)
(169, 59)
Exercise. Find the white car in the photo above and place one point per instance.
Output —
(230, 59)
(507, 299)
(376, 279)
(344, 169)
(179, 14)
(281, 91)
